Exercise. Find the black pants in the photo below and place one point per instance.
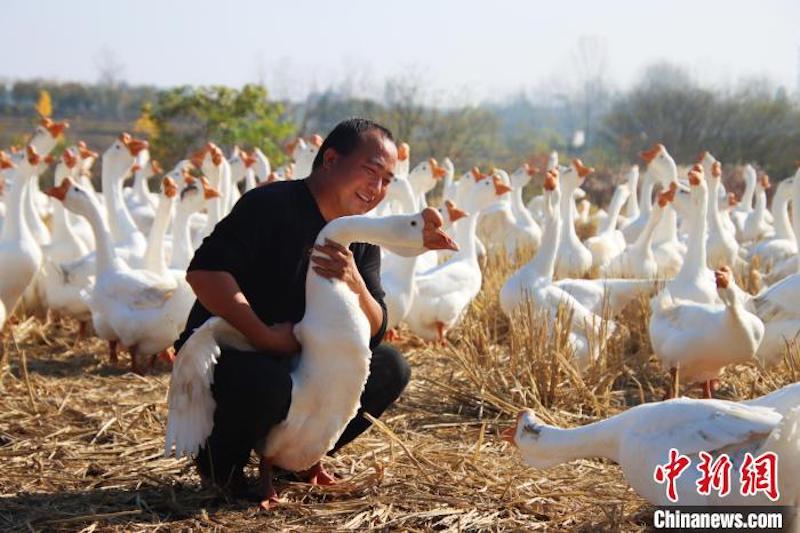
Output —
(253, 393)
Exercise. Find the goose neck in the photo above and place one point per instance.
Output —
(556, 445)
(14, 227)
(154, 259)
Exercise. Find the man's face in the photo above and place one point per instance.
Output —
(362, 177)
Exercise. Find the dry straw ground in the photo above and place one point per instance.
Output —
(81, 441)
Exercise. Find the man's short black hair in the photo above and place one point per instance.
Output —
(346, 136)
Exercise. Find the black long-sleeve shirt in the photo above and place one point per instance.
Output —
(265, 244)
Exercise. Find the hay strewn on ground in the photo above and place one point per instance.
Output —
(81, 441)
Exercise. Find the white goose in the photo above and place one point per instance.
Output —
(790, 265)
(303, 154)
(778, 306)
(637, 260)
(140, 201)
(333, 323)
(699, 339)
(118, 160)
(526, 231)
(722, 246)
(127, 305)
(262, 166)
(756, 227)
(745, 206)
(444, 292)
(193, 198)
(62, 295)
(783, 244)
(424, 177)
(695, 280)
(533, 284)
(20, 256)
(632, 205)
(609, 241)
(639, 440)
(573, 259)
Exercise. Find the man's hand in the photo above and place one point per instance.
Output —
(281, 339)
(338, 265)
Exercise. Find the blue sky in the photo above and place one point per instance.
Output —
(464, 49)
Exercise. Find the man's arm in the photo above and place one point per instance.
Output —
(340, 265)
(218, 292)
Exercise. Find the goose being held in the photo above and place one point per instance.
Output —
(333, 323)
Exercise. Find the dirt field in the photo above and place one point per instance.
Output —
(81, 440)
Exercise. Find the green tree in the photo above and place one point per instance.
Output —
(187, 117)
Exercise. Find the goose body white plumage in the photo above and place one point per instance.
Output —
(639, 440)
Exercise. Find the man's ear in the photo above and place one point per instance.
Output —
(329, 158)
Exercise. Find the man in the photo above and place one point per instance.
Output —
(251, 271)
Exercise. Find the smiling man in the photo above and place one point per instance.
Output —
(251, 271)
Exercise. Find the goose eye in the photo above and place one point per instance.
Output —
(413, 222)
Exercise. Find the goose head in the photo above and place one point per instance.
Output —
(552, 195)
(527, 434)
(192, 198)
(169, 188)
(142, 168)
(399, 191)
(522, 176)
(65, 167)
(403, 160)
(486, 193)
(74, 197)
(572, 176)
(5, 161)
(697, 181)
(86, 157)
(763, 183)
(451, 213)
(707, 160)
(409, 235)
(732, 200)
(449, 168)
(660, 164)
(238, 166)
(726, 285)
(46, 135)
(120, 157)
(424, 176)
(296, 147)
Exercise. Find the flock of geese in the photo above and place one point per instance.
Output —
(118, 258)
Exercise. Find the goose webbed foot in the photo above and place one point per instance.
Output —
(317, 475)
(267, 493)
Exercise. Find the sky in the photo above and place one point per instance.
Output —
(457, 50)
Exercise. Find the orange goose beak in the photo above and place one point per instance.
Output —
(59, 192)
(649, 155)
(500, 188)
(454, 212)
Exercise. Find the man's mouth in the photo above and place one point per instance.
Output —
(364, 198)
